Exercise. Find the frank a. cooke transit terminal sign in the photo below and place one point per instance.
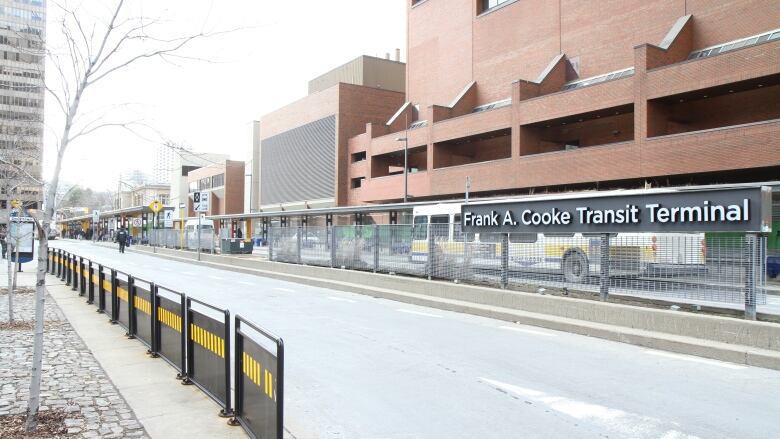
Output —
(746, 209)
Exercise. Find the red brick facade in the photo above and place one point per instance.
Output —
(672, 120)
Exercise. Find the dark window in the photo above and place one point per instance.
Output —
(358, 156)
(357, 182)
(490, 4)
(218, 180)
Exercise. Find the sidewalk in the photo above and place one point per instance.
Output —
(166, 408)
(75, 390)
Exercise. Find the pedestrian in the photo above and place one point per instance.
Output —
(3, 242)
(239, 233)
(121, 238)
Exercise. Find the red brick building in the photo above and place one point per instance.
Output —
(523, 95)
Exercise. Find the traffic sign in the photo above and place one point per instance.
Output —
(156, 206)
(137, 222)
(168, 218)
(95, 216)
(16, 204)
(201, 201)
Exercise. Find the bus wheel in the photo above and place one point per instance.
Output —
(575, 267)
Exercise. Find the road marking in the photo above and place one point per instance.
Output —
(339, 299)
(408, 311)
(188, 273)
(696, 360)
(243, 282)
(216, 277)
(286, 290)
(528, 331)
(619, 421)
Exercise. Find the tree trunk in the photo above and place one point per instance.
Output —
(10, 284)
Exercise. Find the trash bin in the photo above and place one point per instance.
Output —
(236, 246)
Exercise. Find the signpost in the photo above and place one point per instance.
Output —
(201, 203)
(95, 220)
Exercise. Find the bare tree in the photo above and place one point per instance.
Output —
(18, 181)
(96, 49)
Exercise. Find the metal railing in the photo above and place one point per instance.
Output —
(690, 266)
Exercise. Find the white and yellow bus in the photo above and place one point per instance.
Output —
(575, 255)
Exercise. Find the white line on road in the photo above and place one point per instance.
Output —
(624, 423)
(216, 277)
(188, 273)
(419, 313)
(528, 331)
(696, 360)
(339, 299)
(286, 290)
(243, 282)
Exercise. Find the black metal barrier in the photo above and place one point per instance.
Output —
(259, 379)
(123, 285)
(208, 352)
(195, 338)
(82, 277)
(143, 312)
(170, 332)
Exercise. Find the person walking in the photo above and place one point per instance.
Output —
(3, 241)
(121, 238)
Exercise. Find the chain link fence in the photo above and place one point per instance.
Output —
(691, 266)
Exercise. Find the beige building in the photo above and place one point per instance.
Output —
(143, 196)
(183, 163)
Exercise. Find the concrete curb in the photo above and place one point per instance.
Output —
(720, 338)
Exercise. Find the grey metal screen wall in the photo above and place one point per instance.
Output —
(298, 165)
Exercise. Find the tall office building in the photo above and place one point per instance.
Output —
(22, 35)
(163, 164)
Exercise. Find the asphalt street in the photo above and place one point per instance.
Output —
(361, 367)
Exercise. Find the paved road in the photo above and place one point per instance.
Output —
(360, 367)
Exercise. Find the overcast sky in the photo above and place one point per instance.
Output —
(209, 106)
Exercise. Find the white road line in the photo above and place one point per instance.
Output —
(286, 290)
(188, 273)
(243, 282)
(623, 423)
(216, 277)
(419, 313)
(696, 360)
(339, 299)
(528, 331)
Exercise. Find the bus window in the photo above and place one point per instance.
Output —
(440, 226)
(420, 228)
(457, 231)
(524, 238)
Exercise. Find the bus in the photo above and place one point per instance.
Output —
(575, 256)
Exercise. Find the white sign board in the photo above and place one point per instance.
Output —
(95, 216)
(201, 201)
(22, 232)
(137, 222)
(168, 218)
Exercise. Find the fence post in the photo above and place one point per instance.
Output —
(90, 284)
(431, 253)
(82, 277)
(74, 273)
(333, 246)
(504, 260)
(101, 295)
(754, 278)
(130, 307)
(270, 242)
(227, 412)
(376, 248)
(298, 245)
(604, 267)
(152, 351)
(113, 298)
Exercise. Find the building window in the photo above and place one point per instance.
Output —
(358, 156)
(357, 182)
(218, 180)
(487, 5)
